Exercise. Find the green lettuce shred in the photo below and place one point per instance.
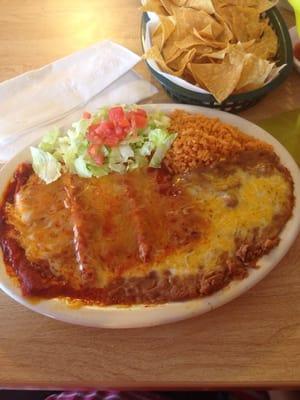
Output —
(45, 165)
(68, 151)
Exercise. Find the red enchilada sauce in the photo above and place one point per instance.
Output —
(114, 230)
(129, 221)
(30, 275)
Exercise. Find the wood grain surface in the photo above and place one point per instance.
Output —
(253, 341)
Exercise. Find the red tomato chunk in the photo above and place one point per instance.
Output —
(113, 130)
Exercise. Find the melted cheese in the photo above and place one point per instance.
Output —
(259, 200)
(129, 226)
(43, 228)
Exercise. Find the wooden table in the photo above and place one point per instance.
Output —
(253, 341)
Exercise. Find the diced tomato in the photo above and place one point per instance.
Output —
(107, 127)
(140, 121)
(98, 134)
(93, 135)
(124, 123)
(110, 132)
(112, 141)
(86, 115)
(94, 139)
(116, 114)
(96, 153)
(92, 127)
(98, 130)
(120, 132)
(142, 112)
(130, 116)
(138, 118)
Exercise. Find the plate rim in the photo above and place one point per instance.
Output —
(138, 316)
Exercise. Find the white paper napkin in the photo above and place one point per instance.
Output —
(56, 94)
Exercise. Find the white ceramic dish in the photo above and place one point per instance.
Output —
(295, 38)
(142, 316)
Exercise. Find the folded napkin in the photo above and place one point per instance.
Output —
(56, 94)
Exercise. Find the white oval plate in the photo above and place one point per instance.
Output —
(142, 315)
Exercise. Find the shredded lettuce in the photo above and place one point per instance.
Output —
(69, 151)
(98, 171)
(115, 161)
(45, 165)
(161, 141)
(105, 151)
(147, 149)
(159, 120)
(138, 162)
(126, 152)
(81, 167)
(49, 141)
(72, 147)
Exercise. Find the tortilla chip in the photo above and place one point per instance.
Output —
(163, 31)
(218, 4)
(212, 43)
(217, 55)
(154, 6)
(189, 41)
(219, 79)
(225, 46)
(226, 35)
(246, 23)
(254, 73)
(212, 31)
(247, 45)
(154, 54)
(236, 53)
(187, 75)
(170, 51)
(260, 5)
(265, 5)
(204, 49)
(209, 55)
(205, 5)
(224, 14)
(202, 54)
(267, 46)
(179, 3)
(157, 37)
(169, 6)
(188, 18)
(180, 63)
(200, 59)
(207, 32)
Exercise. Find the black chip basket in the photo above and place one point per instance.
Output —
(236, 102)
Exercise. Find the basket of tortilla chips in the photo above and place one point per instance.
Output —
(223, 54)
